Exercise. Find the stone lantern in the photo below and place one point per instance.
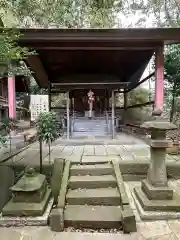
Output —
(155, 199)
(30, 196)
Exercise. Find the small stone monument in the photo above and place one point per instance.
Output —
(30, 196)
(155, 199)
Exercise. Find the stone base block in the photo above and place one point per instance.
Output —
(57, 220)
(128, 220)
(154, 215)
(156, 193)
(27, 221)
(21, 209)
(157, 205)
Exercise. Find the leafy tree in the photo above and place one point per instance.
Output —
(138, 114)
(138, 95)
(85, 14)
(172, 71)
(35, 88)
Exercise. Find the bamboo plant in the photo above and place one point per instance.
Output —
(46, 131)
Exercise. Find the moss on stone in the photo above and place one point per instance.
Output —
(120, 183)
(57, 177)
(64, 186)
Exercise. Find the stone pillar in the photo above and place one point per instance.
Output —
(157, 175)
(112, 104)
(12, 97)
(49, 95)
(159, 79)
(67, 113)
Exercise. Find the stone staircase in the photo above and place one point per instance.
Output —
(95, 199)
(83, 127)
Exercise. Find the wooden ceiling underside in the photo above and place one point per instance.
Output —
(82, 56)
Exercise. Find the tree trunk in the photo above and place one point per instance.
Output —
(172, 112)
(10, 144)
(49, 145)
(40, 154)
(1, 23)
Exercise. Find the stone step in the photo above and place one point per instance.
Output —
(87, 181)
(80, 216)
(86, 134)
(93, 170)
(100, 196)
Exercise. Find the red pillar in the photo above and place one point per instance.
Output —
(12, 97)
(159, 79)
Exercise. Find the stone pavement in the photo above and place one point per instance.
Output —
(83, 153)
(78, 153)
(154, 230)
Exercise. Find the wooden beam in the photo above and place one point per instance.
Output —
(87, 48)
(72, 35)
(88, 83)
(67, 111)
(140, 105)
(140, 82)
(38, 70)
(113, 105)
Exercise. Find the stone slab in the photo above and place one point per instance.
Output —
(92, 181)
(26, 209)
(156, 193)
(100, 150)
(128, 220)
(93, 169)
(88, 150)
(160, 143)
(27, 221)
(99, 159)
(99, 196)
(133, 177)
(111, 150)
(74, 158)
(6, 182)
(93, 216)
(56, 220)
(157, 205)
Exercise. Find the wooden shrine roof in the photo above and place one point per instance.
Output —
(93, 55)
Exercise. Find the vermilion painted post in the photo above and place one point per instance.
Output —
(159, 81)
(12, 97)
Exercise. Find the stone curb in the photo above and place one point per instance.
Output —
(56, 178)
(141, 168)
(64, 185)
(57, 215)
(120, 183)
(127, 215)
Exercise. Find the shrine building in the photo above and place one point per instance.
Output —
(91, 66)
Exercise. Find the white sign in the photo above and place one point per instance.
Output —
(38, 104)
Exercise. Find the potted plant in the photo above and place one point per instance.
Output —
(46, 131)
